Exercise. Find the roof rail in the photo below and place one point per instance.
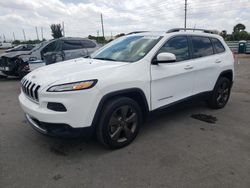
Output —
(189, 29)
(135, 32)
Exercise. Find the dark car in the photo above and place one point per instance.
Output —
(47, 52)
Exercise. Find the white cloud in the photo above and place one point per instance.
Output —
(82, 19)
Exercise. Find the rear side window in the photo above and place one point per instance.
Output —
(218, 46)
(178, 46)
(202, 47)
(88, 44)
(72, 45)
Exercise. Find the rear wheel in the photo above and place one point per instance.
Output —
(119, 123)
(221, 93)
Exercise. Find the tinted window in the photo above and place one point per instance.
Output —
(218, 46)
(202, 47)
(88, 44)
(72, 45)
(50, 47)
(178, 46)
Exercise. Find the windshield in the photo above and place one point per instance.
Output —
(127, 49)
(39, 45)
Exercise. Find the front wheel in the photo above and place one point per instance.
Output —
(119, 123)
(221, 93)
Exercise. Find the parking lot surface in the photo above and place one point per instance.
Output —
(173, 149)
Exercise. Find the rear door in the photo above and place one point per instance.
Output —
(206, 64)
(171, 82)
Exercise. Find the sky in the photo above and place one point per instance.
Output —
(82, 17)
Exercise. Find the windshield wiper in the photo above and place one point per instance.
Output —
(107, 59)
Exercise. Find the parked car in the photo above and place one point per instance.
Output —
(65, 49)
(9, 64)
(48, 52)
(5, 45)
(9, 57)
(112, 92)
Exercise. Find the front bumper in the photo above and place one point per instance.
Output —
(58, 130)
(80, 105)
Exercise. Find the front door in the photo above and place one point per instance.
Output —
(171, 82)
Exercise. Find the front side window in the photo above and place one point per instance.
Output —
(127, 49)
(218, 46)
(177, 46)
(202, 47)
(72, 45)
(50, 47)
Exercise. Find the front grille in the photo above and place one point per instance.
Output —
(30, 89)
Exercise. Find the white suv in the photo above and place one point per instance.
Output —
(113, 91)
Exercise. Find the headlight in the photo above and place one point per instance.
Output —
(75, 86)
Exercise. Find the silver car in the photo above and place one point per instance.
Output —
(45, 53)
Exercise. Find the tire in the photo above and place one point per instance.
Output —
(220, 94)
(21, 73)
(119, 123)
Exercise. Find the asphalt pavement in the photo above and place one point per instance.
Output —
(172, 150)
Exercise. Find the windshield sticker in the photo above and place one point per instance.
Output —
(141, 54)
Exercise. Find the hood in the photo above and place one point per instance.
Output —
(14, 54)
(73, 70)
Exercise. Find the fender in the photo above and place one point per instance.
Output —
(226, 73)
(133, 93)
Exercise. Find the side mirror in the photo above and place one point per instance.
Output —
(165, 57)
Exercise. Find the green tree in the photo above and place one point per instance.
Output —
(56, 30)
(97, 39)
(239, 27)
(239, 33)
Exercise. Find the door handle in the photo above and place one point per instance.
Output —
(218, 61)
(188, 68)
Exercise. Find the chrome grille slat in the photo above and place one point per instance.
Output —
(30, 89)
(36, 92)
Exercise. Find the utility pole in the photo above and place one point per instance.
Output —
(185, 22)
(14, 36)
(24, 35)
(102, 28)
(37, 34)
(97, 36)
(63, 29)
(42, 32)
